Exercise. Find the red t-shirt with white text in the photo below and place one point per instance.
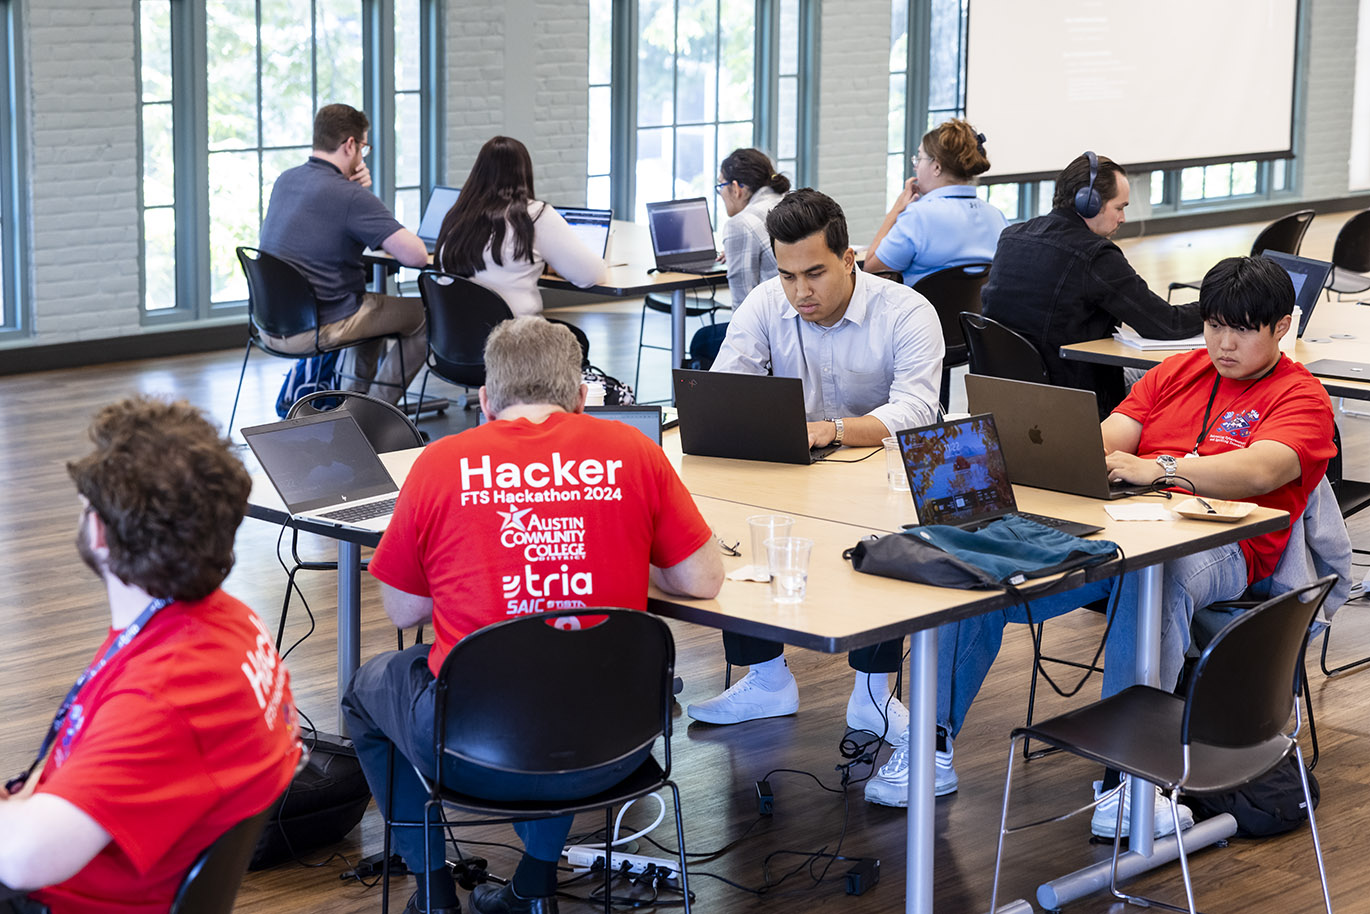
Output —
(517, 517)
(1288, 406)
(186, 731)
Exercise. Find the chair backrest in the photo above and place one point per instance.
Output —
(999, 352)
(461, 315)
(384, 424)
(212, 883)
(1351, 251)
(537, 698)
(952, 291)
(1284, 235)
(1247, 679)
(279, 299)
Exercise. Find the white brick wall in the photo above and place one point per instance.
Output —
(83, 162)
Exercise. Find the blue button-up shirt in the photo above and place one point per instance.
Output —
(883, 358)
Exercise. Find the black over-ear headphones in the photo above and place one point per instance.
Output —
(1087, 200)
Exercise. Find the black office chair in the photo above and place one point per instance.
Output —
(1228, 729)
(460, 314)
(501, 704)
(211, 885)
(1351, 257)
(385, 426)
(995, 350)
(952, 291)
(1284, 235)
(281, 303)
(660, 302)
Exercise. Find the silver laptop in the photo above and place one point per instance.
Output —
(958, 477)
(590, 225)
(743, 416)
(325, 470)
(683, 236)
(1050, 435)
(440, 201)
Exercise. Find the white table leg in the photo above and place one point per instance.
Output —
(922, 698)
(349, 619)
(677, 332)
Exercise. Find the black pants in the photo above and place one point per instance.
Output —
(744, 650)
(20, 904)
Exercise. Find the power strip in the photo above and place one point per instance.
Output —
(584, 858)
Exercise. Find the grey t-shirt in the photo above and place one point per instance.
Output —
(320, 222)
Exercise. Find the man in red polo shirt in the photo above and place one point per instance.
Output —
(183, 725)
(541, 508)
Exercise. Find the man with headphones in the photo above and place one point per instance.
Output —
(1058, 279)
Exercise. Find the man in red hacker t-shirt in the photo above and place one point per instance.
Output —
(184, 724)
(1238, 420)
(541, 508)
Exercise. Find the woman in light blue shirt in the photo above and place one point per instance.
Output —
(938, 221)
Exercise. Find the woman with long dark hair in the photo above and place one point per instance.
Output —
(500, 235)
(750, 188)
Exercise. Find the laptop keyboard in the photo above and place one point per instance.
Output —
(699, 267)
(357, 513)
(1055, 522)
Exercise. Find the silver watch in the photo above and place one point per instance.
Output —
(840, 431)
(1168, 464)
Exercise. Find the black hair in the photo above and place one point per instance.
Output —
(753, 170)
(1076, 175)
(494, 198)
(1246, 293)
(804, 212)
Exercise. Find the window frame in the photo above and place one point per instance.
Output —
(15, 312)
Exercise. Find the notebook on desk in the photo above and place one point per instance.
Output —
(1050, 436)
(683, 236)
(958, 477)
(440, 201)
(1309, 278)
(743, 416)
(325, 470)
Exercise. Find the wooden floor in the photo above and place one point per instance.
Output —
(54, 616)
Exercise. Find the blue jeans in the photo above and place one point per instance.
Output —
(390, 702)
(966, 649)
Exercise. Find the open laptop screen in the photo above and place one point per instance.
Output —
(681, 227)
(439, 202)
(590, 225)
(956, 471)
(646, 419)
(318, 461)
(1309, 278)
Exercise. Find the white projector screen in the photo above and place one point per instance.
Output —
(1158, 83)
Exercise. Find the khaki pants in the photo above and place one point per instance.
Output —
(379, 315)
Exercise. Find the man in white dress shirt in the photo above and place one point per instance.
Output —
(869, 352)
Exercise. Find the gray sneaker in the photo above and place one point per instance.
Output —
(890, 785)
(1105, 819)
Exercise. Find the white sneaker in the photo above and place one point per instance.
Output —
(747, 699)
(863, 715)
(1106, 813)
(890, 785)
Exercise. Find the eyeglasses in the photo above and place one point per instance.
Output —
(731, 550)
(718, 188)
(919, 156)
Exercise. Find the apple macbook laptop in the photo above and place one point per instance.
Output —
(683, 236)
(1309, 278)
(325, 470)
(439, 202)
(743, 416)
(1340, 369)
(646, 419)
(590, 225)
(1050, 435)
(959, 478)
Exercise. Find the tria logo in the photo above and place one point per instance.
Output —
(513, 519)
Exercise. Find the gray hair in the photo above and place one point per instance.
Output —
(531, 361)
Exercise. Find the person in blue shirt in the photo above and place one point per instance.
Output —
(938, 221)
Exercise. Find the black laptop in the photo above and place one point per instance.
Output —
(959, 478)
(743, 416)
(1309, 278)
(683, 236)
(440, 201)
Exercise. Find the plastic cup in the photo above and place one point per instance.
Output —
(894, 466)
(764, 527)
(789, 562)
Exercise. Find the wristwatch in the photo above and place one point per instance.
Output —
(1168, 464)
(840, 431)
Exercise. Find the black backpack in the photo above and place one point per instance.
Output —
(1270, 805)
(325, 802)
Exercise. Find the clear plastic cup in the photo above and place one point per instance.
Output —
(764, 527)
(789, 566)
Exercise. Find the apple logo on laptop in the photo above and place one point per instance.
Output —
(1035, 435)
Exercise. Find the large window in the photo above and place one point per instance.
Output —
(11, 188)
(262, 71)
(676, 85)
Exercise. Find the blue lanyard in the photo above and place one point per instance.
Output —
(128, 634)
